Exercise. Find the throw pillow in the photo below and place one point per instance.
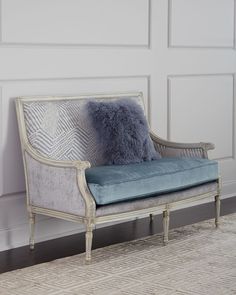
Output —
(122, 131)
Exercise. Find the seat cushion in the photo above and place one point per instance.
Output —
(150, 202)
(117, 183)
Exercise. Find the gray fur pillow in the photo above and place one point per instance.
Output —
(122, 131)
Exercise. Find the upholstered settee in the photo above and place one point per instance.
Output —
(66, 177)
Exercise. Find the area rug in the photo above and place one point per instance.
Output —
(199, 259)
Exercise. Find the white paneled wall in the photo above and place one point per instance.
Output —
(180, 53)
(201, 23)
(206, 103)
(78, 22)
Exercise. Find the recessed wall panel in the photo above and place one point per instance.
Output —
(201, 109)
(1, 170)
(201, 23)
(12, 174)
(79, 22)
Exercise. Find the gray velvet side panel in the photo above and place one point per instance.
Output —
(155, 201)
(54, 187)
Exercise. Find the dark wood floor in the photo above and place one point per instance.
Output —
(74, 244)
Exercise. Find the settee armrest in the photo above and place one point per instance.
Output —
(58, 185)
(175, 149)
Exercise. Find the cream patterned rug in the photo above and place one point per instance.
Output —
(198, 260)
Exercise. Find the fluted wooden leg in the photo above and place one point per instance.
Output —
(32, 228)
(217, 210)
(89, 239)
(166, 218)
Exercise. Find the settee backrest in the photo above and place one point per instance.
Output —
(58, 127)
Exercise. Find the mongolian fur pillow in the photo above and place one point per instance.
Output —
(122, 131)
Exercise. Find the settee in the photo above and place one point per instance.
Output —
(66, 178)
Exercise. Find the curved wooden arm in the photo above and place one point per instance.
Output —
(169, 148)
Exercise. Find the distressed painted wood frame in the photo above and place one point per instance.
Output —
(89, 218)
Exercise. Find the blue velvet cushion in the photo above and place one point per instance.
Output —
(116, 183)
(122, 131)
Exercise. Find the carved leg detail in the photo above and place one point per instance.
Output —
(166, 218)
(89, 239)
(217, 210)
(32, 227)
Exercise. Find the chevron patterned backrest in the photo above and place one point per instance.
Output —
(61, 130)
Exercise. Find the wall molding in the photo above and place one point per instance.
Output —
(73, 45)
(78, 45)
(229, 182)
(44, 79)
(234, 117)
(170, 33)
(73, 78)
(234, 24)
(149, 45)
(1, 25)
(1, 142)
(233, 75)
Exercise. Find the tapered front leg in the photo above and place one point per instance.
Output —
(166, 219)
(217, 210)
(89, 240)
(32, 229)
